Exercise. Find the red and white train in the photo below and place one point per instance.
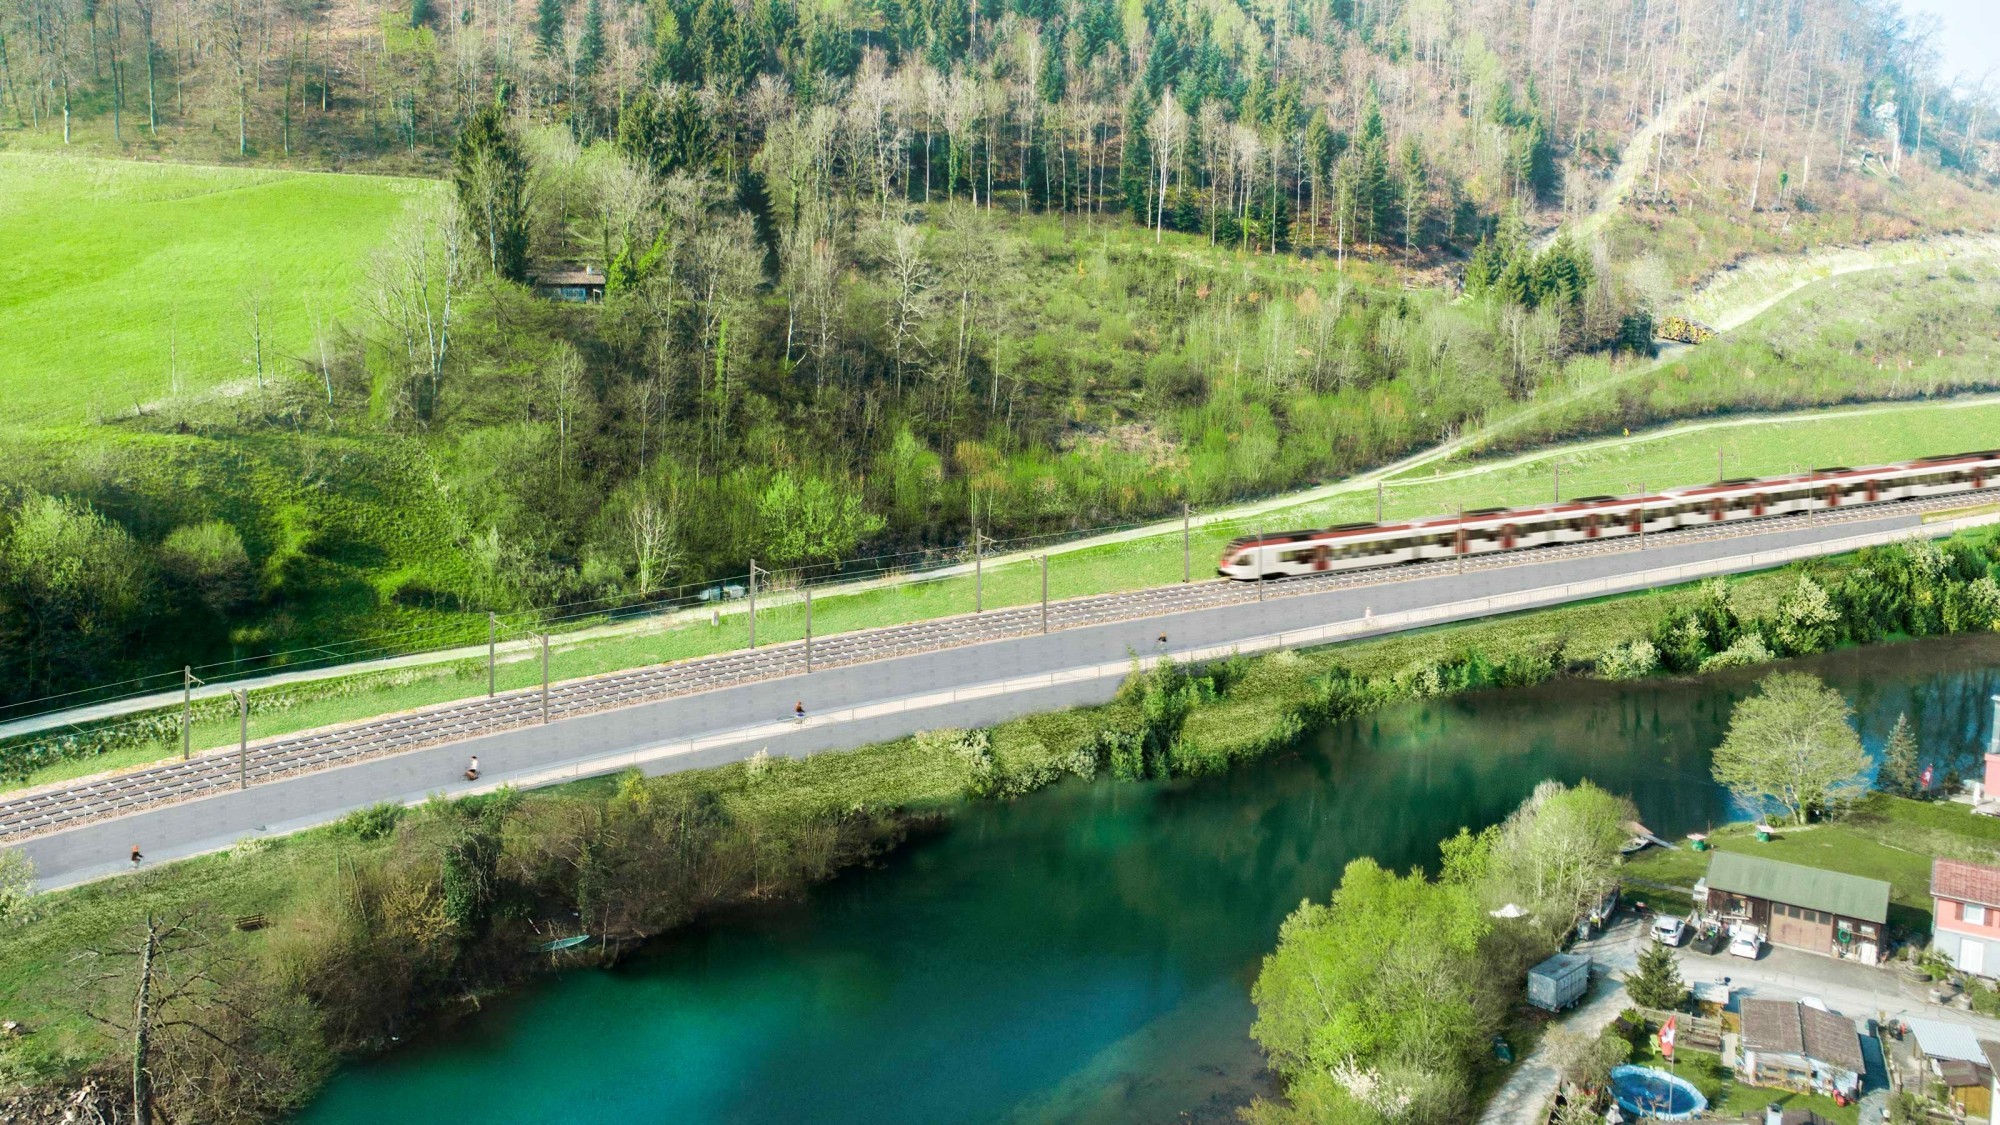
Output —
(1360, 545)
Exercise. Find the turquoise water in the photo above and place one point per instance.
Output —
(1647, 1092)
(1085, 953)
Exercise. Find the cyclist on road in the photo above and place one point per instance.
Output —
(136, 857)
(472, 771)
(799, 711)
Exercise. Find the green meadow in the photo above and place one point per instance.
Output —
(121, 282)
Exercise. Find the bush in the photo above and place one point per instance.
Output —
(1748, 650)
(372, 823)
(1629, 661)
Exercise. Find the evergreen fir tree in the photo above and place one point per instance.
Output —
(590, 51)
(1135, 166)
(1053, 82)
(549, 27)
(1483, 269)
(1657, 983)
(1899, 773)
(490, 171)
(1374, 195)
(1416, 194)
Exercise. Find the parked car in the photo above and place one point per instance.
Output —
(1709, 940)
(1746, 942)
(1668, 930)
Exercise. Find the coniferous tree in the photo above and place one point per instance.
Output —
(1898, 774)
(1416, 193)
(1374, 195)
(1135, 164)
(1657, 983)
(590, 49)
(549, 27)
(490, 172)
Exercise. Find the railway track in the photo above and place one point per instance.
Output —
(218, 771)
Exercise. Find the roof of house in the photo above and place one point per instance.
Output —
(1958, 1073)
(1849, 896)
(1991, 1050)
(1788, 1027)
(1965, 882)
(569, 277)
(1940, 1040)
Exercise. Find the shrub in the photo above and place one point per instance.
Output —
(372, 823)
(1806, 621)
(1749, 649)
(1629, 661)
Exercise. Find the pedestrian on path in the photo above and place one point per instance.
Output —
(136, 857)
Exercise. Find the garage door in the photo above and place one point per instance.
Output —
(1800, 928)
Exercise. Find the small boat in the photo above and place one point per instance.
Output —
(560, 944)
(1635, 845)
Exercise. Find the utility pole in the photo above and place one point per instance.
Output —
(809, 629)
(978, 574)
(1258, 536)
(1187, 558)
(753, 603)
(243, 738)
(1559, 485)
(1642, 515)
(1461, 542)
(187, 711)
(1045, 593)
(1378, 501)
(492, 632)
(1720, 476)
(545, 677)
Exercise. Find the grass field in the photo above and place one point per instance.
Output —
(1684, 455)
(1886, 838)
(109, 268)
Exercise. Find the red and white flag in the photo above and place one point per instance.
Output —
(1667, 1039)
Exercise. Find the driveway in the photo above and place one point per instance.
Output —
(1848, 987)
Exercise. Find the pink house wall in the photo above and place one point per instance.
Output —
(1949, 914)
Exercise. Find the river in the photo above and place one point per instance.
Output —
(1086, 953)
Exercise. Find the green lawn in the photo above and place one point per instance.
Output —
(1886, 838)
(109, 268)
(1730, 1100)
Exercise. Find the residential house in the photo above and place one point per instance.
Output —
(1965, 915)
(1794, 1046)
(1823, 912)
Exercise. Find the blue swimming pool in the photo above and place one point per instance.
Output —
(1645, 1092)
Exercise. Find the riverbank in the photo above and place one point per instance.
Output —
(367, 925)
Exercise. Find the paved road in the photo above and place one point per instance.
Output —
(1850, 988)
(937, 688)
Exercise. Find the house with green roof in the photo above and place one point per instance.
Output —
(1806, 908)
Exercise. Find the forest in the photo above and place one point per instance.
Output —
(877, 275)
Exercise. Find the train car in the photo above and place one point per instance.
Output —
(1358, 546)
